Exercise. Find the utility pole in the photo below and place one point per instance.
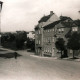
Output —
(0, 20)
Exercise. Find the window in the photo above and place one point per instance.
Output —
(48, 30)
(50, 39)
(39, 31)
(36, 32)
(61, 29)
(74, 28)
(53, 29)
(53, 39)
(48, 49)
(38, 50)
(46, 39)
(44, 49)
(39, 41)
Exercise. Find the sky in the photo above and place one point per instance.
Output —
(24, 14)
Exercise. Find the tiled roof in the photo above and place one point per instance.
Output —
(44, 18)
(51, 25)
(69, 23)
(65, 18)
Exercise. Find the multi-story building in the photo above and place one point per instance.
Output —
(55, 30)
(47, 33)
(45, 20)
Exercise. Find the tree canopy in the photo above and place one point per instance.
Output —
(60, 44)
(74, 41)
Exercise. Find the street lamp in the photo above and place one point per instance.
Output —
(0, 19)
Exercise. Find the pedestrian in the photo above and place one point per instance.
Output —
(15, 55)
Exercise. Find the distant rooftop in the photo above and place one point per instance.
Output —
(65, 18)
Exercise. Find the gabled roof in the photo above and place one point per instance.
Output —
(51, 25)
(65, 24)
(65, 18)
(69, 24)
(44, 18)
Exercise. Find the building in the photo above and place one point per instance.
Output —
(47, 33)
(55, 30)
(45, 20)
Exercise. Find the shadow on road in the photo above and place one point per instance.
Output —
(74, 58)
(28, 50)
(2, 50)
(9, 55)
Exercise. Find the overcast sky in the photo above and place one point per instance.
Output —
(25, 14)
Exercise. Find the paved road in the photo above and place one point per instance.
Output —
(28, 67)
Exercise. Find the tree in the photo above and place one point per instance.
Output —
(21, 37)
(74, 42)
(60, 45)
(30, 44)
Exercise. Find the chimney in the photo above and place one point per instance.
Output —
(51, 13)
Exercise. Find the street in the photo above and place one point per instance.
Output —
(30, 67)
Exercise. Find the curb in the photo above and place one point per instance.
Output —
(55, 58)
(43, 57)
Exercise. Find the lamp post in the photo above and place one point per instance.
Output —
(0, 20)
